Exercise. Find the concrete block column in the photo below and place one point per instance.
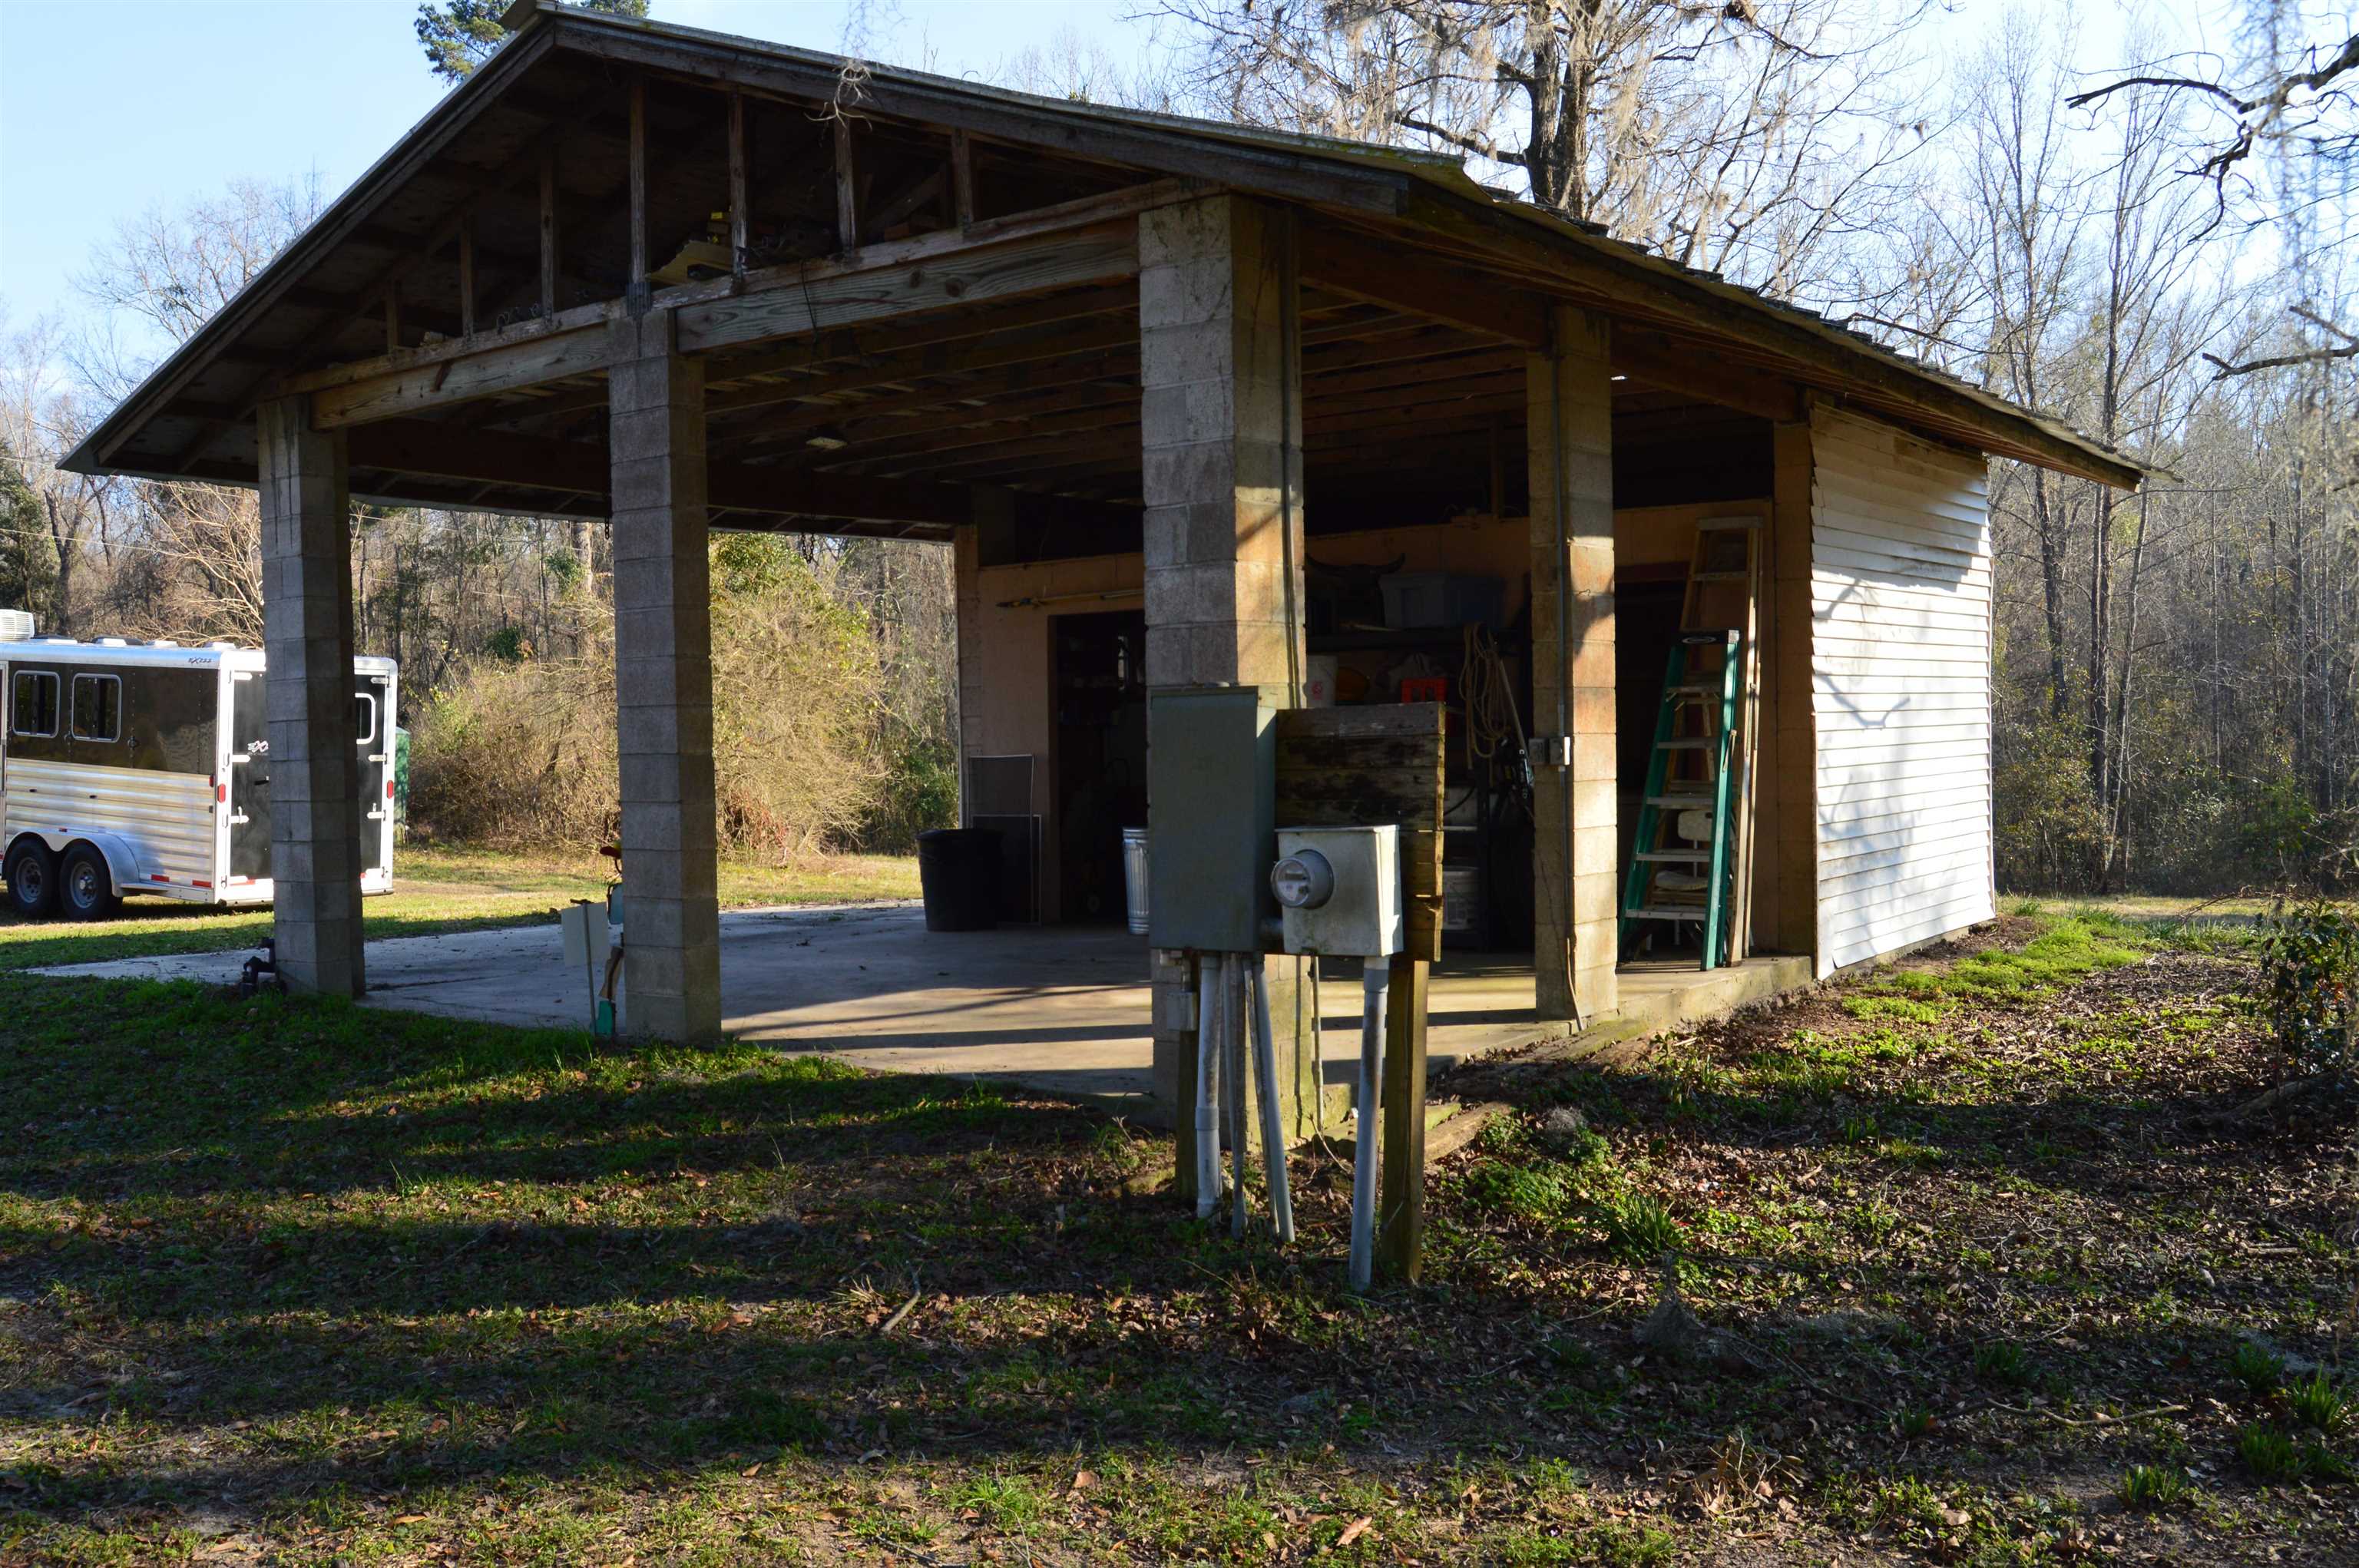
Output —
(1570, 395)
(663, 684)
(1221, 415)
(307, 639)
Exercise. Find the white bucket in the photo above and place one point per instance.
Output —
(1134, 877)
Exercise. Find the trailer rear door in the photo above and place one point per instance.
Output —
(249, 779)
(373, 723)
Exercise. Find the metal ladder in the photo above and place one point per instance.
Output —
(1697, 720)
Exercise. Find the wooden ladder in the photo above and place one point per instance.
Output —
(1693, 835)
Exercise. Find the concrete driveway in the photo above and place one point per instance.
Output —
(1061, 1009)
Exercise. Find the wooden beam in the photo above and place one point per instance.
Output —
(434, 448)
(393, 317)
(739, 240)
(816, 297)
(961, 179)
(1361, 266)
(526, 355)
(1657, 360)
(873, 347)
(1247, 160)
(1056, 387)
(637, 288)
(549, 233)
(777, 302)
(847, 188)
(1514, 248)
(467, 278)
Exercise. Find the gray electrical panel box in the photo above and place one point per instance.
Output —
(1211, 781)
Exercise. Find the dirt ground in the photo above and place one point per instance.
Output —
(1976, 1268)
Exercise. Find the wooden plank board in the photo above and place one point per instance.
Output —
(1365, 767)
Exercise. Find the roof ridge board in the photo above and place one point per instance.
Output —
(1290, 167)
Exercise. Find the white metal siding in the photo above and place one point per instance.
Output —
(1900, 652)
(166, 817)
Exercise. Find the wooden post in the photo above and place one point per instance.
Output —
(1576, 842)
(638, 285)
(1400, 1210)
(467, 276)
(738, 230)
(847, 191)
(1791, 898)
(962, 177)
(549, 233)
(1172, 978)
(392, 316)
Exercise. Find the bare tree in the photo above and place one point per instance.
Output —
(1753, 139)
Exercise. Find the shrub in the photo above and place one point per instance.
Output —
(520, 753)
(2309, 958)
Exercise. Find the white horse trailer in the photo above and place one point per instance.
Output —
(146, 768)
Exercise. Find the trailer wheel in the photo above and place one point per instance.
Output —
(86, 885)
(32, 873)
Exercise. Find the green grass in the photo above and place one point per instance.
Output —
(2145, 1487)
(436, 890)
(357, 1285)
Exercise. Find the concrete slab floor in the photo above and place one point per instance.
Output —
(1063, 1010)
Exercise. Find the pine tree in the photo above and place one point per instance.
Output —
(28, 566)
(459, 35)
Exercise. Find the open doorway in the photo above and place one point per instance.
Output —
(1099, 690)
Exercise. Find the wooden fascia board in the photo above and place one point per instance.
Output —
(1614, 280)
(905, 277)
(426, 141)
(715, 62)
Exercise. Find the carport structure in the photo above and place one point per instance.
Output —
(681, 281)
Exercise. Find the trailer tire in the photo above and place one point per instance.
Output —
(86, 885)
(32, 873)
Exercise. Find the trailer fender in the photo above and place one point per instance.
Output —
(122, 865)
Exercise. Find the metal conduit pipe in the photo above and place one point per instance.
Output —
(1208, 1133)
(1233, 1006)
(1373, 987)
(1273, 1133)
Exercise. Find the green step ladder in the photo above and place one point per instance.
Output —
(1711, 696)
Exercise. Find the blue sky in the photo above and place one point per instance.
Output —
(115, 106)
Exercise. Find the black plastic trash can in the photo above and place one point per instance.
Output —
(958, 872)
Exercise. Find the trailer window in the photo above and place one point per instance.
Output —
(33, 704)
(98, 707)
(364, 717)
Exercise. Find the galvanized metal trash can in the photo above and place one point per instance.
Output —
(1134, 877)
